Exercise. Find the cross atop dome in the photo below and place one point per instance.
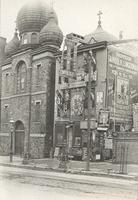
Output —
(52, 3)
(99, 14)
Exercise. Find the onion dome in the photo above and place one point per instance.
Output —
(13, 44)
(33, 16)
(99, 34)
(51, 34)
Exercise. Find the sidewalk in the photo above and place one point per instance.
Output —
(107, 169)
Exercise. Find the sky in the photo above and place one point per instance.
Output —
(80, 16)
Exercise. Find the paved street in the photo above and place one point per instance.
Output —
(16, 183)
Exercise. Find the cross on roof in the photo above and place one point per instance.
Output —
(52, 3)
(99, 14)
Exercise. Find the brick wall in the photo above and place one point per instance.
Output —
(4, 144)
(19, 103)
(37, 148)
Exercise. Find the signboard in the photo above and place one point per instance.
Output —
(77, 96)
(122, 91)
(100, 97)
(67, 73)
(135, 116)
(77, 84)
(63, 86)
(84, 124)
(56, 153)
(98, 156)
(121, 69)
(103, 118)
(93, 76)
(102, 128)
(108, 143)
(123, 60)
(84, 153)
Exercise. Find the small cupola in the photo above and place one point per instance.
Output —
(13, 44)
(51, 34)
(100, 34)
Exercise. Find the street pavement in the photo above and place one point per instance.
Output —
(19, 183)
(74, 167)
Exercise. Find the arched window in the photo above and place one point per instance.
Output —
(21, 77)
(33, 38)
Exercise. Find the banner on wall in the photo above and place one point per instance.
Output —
(121, 70)
(77, 102)
(122, 91)
(103, 118)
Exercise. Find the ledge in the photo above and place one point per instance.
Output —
(37, 135)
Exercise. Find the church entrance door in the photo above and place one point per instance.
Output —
(19, 138)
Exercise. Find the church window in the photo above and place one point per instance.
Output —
(37, 110)
(33, 38)
(7, 82)
(21, 78)
(6, 117)
(38, 67)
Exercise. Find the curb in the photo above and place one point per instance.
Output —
(79, 172)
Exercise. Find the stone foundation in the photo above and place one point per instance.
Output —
(37, 147)
(4, 144)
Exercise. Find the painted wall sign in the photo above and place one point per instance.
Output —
(121, 69)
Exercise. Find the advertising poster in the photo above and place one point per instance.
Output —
(121, 70)
(77, 102)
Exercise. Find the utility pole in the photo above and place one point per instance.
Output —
(90, 61)
(89, 113)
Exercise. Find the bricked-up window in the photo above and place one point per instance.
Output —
(38, 68)
(6, 113)
(37, 110)
(7, 82)
(21, 77)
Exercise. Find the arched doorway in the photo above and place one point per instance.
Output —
(19, 138)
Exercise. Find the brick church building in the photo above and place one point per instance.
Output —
(44, 90)
(27, 81)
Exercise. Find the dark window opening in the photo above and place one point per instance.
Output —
(33, 38)
(7, 82)
(21, 78)
(6, 114)
(37, 111)
(38, 74)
